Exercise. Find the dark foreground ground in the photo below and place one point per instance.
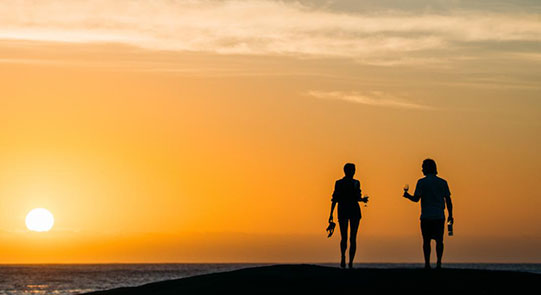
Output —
(311, 279)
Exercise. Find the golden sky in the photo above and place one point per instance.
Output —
(213, 131)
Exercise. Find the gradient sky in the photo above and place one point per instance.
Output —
(213, 131)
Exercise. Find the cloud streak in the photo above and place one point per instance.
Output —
(259, 27)
(372, 98)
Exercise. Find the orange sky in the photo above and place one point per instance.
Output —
(171, 155)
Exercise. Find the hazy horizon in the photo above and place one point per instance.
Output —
(206, 130)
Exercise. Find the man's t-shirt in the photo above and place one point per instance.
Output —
(432, 190)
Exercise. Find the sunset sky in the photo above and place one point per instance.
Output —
(213, 131)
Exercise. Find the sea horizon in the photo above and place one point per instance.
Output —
(276, 146)
(69, 279)
(258, 263)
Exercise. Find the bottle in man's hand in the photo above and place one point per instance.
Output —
(450, 227)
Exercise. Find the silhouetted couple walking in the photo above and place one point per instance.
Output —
(431, 190)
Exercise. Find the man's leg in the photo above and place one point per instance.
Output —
(343, 223)
(426, 251)
(439, 251)
(439, 241)
(425, 231)
(354, 226)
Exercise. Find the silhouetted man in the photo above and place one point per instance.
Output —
(347, 193)
(434, 194)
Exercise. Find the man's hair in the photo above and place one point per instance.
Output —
(349, 168)
(429, 167)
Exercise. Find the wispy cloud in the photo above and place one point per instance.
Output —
(259, 27)
(372, 98)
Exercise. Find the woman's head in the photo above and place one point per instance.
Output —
(349, 169)
(429, 167)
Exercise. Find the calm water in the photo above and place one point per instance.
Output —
(73, 279)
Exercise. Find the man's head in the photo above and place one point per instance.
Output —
(349, 170)
(429, 167)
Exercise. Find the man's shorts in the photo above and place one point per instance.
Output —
(432, 229)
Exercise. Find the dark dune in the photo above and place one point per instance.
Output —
(311, 279)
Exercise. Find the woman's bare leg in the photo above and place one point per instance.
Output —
(354, 223)
(344, 241)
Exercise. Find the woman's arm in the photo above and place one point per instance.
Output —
(333, 204)
(358, 192)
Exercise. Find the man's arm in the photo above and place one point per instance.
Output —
(449, 208)
(449, 203)
(417, 194)
(413, 198)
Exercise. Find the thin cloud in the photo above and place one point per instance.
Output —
(372, 98)
(260, 27)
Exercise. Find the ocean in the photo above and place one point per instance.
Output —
(67, 279)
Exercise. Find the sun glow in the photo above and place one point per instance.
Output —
(40, 220)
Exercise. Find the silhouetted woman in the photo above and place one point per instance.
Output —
(347, 193)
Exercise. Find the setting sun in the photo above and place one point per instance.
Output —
(40, 220)
(153, 140)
